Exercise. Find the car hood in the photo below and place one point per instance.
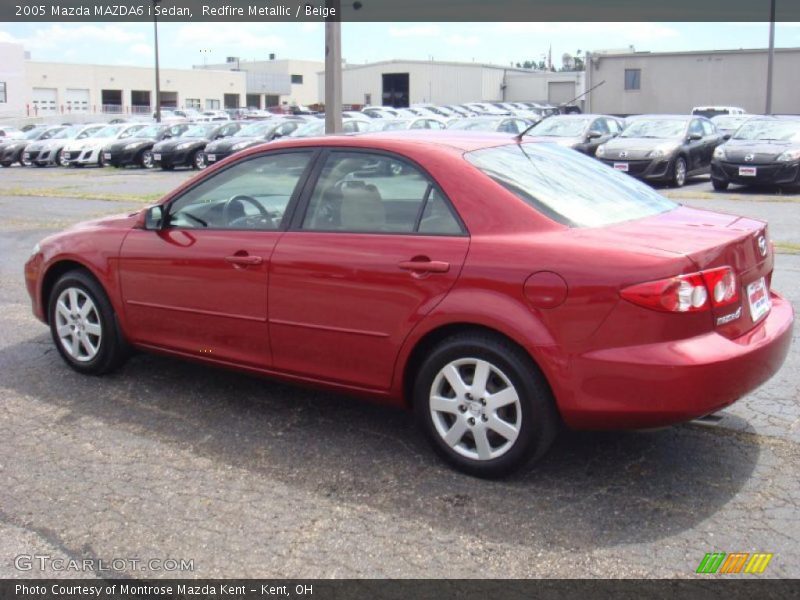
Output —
(171, 144)
(756, 151)
(88, 143)
(45, 145)
(225, 144)
(15, 144)
(634, 148)
(120, 144)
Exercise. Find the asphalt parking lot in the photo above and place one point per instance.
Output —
(251, 478)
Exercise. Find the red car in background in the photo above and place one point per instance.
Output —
(498, 288)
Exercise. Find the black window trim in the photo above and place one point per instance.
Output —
(288, 214)
(296, 223)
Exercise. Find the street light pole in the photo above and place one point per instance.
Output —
(771, 56)
(158, 78)
(333, 69)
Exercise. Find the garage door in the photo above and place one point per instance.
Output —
(45, 101)
(77, 100)
(560, 92)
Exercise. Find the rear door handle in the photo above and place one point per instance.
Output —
(425, 266)
(244, 260)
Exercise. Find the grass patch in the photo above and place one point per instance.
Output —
(787, 248)
(66, 192)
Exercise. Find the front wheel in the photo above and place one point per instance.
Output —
(146, 160)
(61, 159)
(679, 172)
(484, 405)
(83, 325)
(199, 160)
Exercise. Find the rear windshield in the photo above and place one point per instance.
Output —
(567, 186)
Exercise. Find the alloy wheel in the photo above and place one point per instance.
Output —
(475, 409)
(680, 172)
(147, 160)
(61, 159)
(78, 324)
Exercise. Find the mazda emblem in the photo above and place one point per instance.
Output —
(762, 245)
(749, 158)
(623, 154)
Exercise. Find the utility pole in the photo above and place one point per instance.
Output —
(771, 56)
(158, 78)
(333, 68)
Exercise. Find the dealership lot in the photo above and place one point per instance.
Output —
(247, 477)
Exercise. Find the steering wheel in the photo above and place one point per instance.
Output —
(262, 220)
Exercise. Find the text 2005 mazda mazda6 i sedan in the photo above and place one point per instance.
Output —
(497, 288)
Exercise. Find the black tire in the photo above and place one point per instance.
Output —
(112, 349)
(145, 159)
(539, 422)
(679, 172)
(720, 186)
(197, 160)
(5, 164)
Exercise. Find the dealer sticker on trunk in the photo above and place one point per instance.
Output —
(758, 297)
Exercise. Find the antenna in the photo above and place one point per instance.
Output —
(591, 89)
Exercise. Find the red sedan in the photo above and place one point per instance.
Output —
(497, 288)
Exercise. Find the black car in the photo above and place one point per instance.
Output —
(11, 151)
(763, 152)
(251, 135)
(138, 150)
(583, 133)
(728, 124)
(663, 148)
(187, 149)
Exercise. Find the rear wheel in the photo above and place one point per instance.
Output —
(5, 164)
(61, 159)
(484, 405)
(25, 162)
(84, 326)
(720, 186)
(679, 172)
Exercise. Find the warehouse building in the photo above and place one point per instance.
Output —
(276, 82)
(45, 90)
(407, 82)
(675, 82)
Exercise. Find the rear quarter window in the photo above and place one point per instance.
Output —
(566, 186)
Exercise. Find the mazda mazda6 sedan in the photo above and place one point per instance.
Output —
(496, 288)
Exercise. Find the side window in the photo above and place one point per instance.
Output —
(285, 129)
(508, 126)
(370, 193)
(696, 127)
(600, 125)
(437, 218)
(419, 124)
(436, 125)
(253, 194)
(349, 127)
(708, 128)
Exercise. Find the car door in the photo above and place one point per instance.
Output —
(198, 285)
(711, 139)
(374, 247)
(696, 147)
(601, 126)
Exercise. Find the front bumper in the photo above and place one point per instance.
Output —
(40, 157)
(122, 158)
(83, 157)
(10, 156)
(651, 169)
(172, 158)
(671, 382)
(215, 157)
(776, 173)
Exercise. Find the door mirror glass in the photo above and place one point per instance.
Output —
(695, 136)
(154, 217)
(726, 137)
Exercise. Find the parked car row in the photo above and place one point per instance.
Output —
(734, 148)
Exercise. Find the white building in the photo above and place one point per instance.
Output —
(675, 82)
(276, 82)
(50, 90)
(405, 82)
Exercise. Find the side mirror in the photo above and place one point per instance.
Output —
(167, 136)
(154, 217)
(693, 137)
(594, 134)
(726, 136)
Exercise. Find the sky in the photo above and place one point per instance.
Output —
(182, 45)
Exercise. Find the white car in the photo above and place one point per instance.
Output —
(404, 124)
(51, 151)
(713, 111)
(380, 112)
(7, 132)
(89, 151)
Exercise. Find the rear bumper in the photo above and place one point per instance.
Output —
(787, 173)
(671, 382)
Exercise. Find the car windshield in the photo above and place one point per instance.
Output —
(655, 128)
(149, 132)
(198, 131)
(255, 130)
(33, 134)
(131, 131)
(560, 127)
(476, 125)
(68, 133)
(568, 187)
(784, 131)
(309, 130)
(107, 132)
(726, 122)
(392, 125)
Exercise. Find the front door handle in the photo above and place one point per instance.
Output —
(425, 266)
(244, 260)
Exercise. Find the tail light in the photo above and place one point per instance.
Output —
(686, 293)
